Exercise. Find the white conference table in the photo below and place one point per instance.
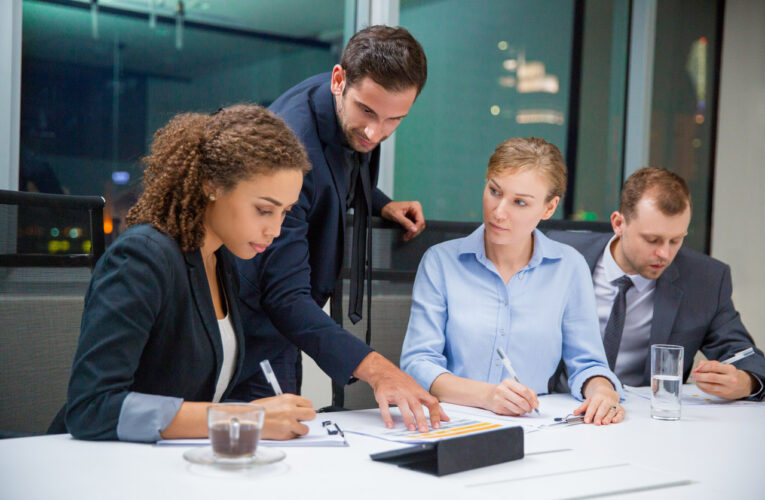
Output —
(714, 451)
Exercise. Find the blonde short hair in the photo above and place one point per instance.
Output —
(531, 153)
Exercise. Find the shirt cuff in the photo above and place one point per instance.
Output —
(578, 382)
(143, 416)
(758, 394)
(426, 374)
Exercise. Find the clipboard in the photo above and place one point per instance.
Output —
(459, 454)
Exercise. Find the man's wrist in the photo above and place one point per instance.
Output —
(370, 367)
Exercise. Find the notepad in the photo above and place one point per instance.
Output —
(317, 436)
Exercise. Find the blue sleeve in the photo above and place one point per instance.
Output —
(583, 350)
(143, 416)
(422, 355)
(125, 297)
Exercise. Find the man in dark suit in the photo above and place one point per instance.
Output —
(650, 290)
(340, 117)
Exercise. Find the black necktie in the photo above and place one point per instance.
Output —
(615, 326)
(361, 209)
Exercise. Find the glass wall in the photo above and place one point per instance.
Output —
(602, 106)
(96, 88)
(684, 103)
(495, 70)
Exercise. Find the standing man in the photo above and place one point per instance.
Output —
(650, 290)
(341, 118)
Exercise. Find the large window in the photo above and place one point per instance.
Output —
(684, 101)
(495, 70)
(96, 86)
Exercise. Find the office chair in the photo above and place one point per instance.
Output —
(49, 245)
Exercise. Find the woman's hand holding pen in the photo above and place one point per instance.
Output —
(510, 397)
(601, 406)
(284, 414)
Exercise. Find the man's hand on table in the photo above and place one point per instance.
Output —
(392, 386)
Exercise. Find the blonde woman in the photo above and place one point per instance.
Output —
(507, 285)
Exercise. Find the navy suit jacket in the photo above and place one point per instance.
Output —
(692, 306)
(283, 289)
(149, 326)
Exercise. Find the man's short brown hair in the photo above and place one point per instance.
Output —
(391, 57)
(668, 189)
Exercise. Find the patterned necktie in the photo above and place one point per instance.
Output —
(615, 325)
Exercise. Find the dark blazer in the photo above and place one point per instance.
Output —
(283, 289)
(692, 306)
(149, 326)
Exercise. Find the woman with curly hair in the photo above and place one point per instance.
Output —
(161, 335)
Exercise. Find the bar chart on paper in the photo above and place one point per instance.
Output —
(454, 428)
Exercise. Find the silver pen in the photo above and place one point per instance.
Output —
(509, 368)
(739, 356)
(265, 365)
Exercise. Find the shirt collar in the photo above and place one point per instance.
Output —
(543, 247)
(614, 272)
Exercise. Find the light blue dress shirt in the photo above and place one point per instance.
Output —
(462, 311)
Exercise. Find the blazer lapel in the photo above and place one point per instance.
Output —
(666, 303)
(200, 290)
(323, 106)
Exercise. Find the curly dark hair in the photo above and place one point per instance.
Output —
(219, 150)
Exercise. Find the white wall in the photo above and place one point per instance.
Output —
(738, 219)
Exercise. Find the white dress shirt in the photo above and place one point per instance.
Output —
(634, 346)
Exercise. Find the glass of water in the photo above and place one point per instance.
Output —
(666, 381)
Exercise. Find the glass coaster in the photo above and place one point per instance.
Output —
(205, 456)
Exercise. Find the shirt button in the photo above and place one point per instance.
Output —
(497, 362)
(505, 302)
(501, 331)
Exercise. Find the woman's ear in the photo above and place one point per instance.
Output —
(550, 208)
(211, 193)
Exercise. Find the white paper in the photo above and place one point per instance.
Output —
(317, 436)
(691, 395)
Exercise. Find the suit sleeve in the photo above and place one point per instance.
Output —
(379, 200)
(727, 335)
(125, 297)
(280, 283)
